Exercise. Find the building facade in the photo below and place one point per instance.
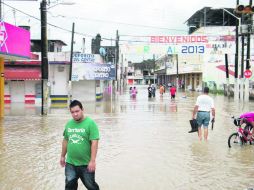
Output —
(23, 79)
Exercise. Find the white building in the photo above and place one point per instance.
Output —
(23, 80)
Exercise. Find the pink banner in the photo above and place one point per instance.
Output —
(14, 41)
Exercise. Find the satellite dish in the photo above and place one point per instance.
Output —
(102, 51)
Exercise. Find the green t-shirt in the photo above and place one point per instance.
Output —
(79, 136)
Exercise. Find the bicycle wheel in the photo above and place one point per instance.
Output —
(234, 140)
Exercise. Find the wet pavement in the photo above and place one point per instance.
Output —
(145, 145)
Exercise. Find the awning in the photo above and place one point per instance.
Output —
(22, 73)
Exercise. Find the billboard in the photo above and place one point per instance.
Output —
(14, 41)
(201, 45)
(91, 67)
(219, 40)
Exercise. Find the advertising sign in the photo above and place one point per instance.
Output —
(212, 47)
(85, 67)
(217, 43)
(14, 41)
(87, 58)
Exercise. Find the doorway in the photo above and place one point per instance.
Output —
(17, 90)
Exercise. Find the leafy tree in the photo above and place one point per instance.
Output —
(145, 65)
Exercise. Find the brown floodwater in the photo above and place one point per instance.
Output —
(144, 145)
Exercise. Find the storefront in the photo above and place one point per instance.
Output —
(15, 44)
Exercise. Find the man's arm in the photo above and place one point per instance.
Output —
(94, 147)
(195, 110)
(213, 111)
(64, 151)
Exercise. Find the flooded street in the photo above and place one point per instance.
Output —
(144, 145)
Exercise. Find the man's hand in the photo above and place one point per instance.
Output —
(91, 166)
(63, 153)
(62, 161)
(195, 110)
(213, 120)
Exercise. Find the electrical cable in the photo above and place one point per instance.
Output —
(103, 38)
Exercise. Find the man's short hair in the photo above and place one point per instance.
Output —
(206, 90)
(75, 103)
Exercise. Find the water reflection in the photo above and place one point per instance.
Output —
(151, 104)
(173, 106)
(17, 109)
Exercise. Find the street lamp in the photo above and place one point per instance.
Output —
(237, 51)
(44, 54)
(62, 3)
(237, 54)
(238, 18)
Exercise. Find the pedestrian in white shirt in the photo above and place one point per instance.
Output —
(202, 109)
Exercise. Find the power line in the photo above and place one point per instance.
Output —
(121, 23)
(96, 20)
(92, 36)
(78, 33)
(55, 26)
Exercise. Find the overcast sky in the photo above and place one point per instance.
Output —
(130, 17)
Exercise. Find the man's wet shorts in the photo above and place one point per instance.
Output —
(203, 118)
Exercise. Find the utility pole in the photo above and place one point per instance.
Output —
(71, 56)
(0, 9)
(236, 85)
(242, 68)
(242, 57)
(237, 56)
(227, 74)
(246, 94)
(177, 71)
(1, 87)
(154, 69)
(117, 58)
(1, 76)
(44, 58)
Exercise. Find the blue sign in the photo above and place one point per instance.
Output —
(83, 58)
(93, 71)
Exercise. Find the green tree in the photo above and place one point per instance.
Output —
(145, 65)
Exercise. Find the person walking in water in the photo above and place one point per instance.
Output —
(134, 92)
(153, 90)
(173, 92)
(149, 89)
(248, 118)
(162, 90)
(130, 91)
(80, 143)
(204, 105)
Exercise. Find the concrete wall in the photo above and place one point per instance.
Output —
(59, 76)
(59, 56)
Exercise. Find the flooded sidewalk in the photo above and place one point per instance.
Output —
(144, 145)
